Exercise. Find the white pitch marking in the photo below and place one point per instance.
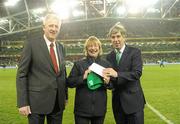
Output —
(159, 114)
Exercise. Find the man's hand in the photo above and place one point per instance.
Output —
(106, 79)
(25, 111)
(107, 72)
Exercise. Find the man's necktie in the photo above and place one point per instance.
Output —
(118, 56)
(53, 57)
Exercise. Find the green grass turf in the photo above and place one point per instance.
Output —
(162, 90)
(161, 87)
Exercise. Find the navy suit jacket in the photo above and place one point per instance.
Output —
(36, 82)
(127, 88)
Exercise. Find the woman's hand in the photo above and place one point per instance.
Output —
(86, 73)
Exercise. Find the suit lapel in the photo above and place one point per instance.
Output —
(59, 54)
(113, 59)
(123, 57)
(45, 50)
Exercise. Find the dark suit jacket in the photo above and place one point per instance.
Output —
(127, 87)
(36, 81)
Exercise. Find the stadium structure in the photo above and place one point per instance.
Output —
(152, 25)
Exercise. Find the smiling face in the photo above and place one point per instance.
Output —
(117, 35)
(117, 40)
(51, 27)
(93, 47)
(93, 50)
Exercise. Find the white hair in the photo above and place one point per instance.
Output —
(51, 16)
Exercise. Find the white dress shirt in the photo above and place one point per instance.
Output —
(55, 48)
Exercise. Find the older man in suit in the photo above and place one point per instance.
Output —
(41, 76)
(128, 98)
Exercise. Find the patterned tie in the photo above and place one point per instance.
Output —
(118, 56)
(53, 57)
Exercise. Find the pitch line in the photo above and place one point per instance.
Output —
(159, 114)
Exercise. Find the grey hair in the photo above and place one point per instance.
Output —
(118, 27)
(51, 16)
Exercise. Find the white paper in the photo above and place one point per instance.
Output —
(98, 69)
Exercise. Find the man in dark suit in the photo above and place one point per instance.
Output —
(41, 76)
(128, 98)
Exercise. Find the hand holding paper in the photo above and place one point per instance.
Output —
(110, 72)
(98, 69)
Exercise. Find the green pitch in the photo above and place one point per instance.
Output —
(161, 87)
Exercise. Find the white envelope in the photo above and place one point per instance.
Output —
(98, 69)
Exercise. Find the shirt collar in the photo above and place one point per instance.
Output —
(122, 49)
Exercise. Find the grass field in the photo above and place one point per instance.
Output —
(161, 87)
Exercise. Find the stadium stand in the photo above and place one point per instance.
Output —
(158, 39)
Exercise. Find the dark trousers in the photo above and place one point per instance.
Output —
(122, 118)
(89, 120)
(55, 117)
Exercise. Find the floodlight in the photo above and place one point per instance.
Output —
(140, 3)
(3, 21)
(153, 10)
(73, 3)
(121, 10)
(110, 1)
(61, 8)
(134, 10)
(38, 10)
(77, 13)
(11, 2)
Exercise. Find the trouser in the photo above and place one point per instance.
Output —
(89, 120)
(122, 118)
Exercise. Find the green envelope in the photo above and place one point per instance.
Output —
(94, 81)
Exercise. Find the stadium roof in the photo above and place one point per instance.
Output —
(23, 15)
